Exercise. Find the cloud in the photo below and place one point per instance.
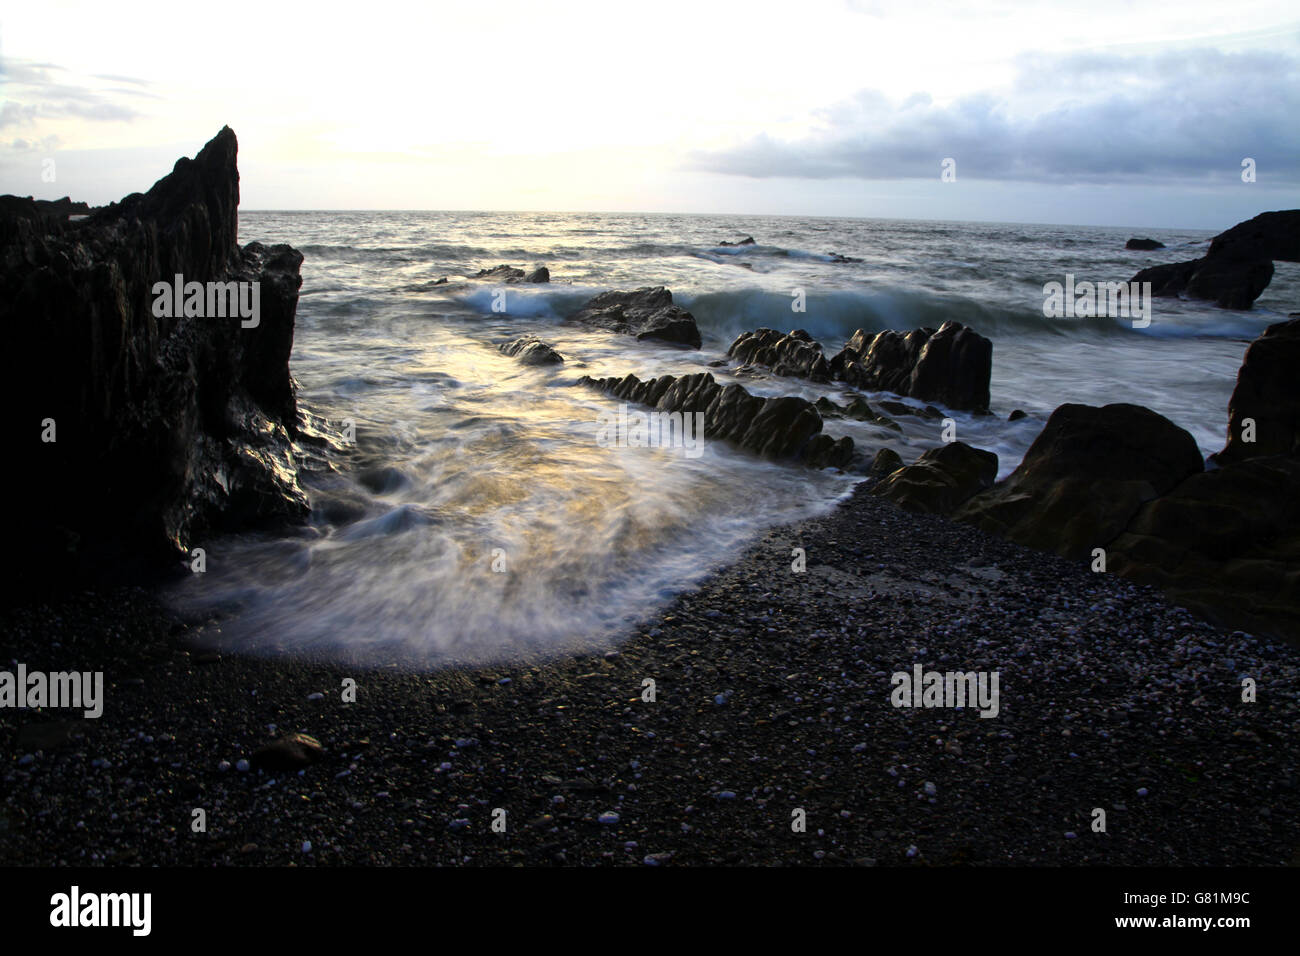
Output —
(1080, 118)
(35, 92)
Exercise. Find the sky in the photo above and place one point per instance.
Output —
(1105, 112)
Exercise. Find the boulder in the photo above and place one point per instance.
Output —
(646, 313)
(1268, 394)
(1143, 244)
(940, 480)
(167, 428)
(886, 462)
(532, 351)
(1084, 478)
(951, 366)
(1225, 542)
(775, 428)
(1270, 235)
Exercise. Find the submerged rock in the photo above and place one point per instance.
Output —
(775, 428)
(1084, 478)
(164, 428)
(940, 480)
(646, 313)
(532, 351)
(747, 241)
(1143, 244)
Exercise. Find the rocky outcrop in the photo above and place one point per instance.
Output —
(1239, 265)
(785, 428)
(940, 480)
(532, 351)
(14, 209)
(1227, 541)
(951, 366)
(794, 353)
(1143, 244)
(163, 429)
(510, 274)
(1270, 235)
(1264, 411)
(646, 313)
(747, 241)
(1085, 477)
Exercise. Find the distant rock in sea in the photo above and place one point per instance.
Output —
(747, 241)
(1239, 265)
(139, 433)
(504, 273)
(1143, 244)
(646, 313)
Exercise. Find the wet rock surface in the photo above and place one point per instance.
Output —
(532, 351)
(646, 313)
(775, 428)
(166, 429)
(940, 480)
(1084, 478)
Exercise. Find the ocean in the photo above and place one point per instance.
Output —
(479, 518)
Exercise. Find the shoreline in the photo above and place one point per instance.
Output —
(772, 694)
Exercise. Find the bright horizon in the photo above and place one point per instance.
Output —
(1099, 113)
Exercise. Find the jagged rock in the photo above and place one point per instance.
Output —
(1239, 265)
(775, 428)
(47, 212)
(646, 313)
(1143, 244)
(886, 462)
(794, 354)
(1267, 393)
(1084, 478)
(539, 275)
(166, 429)
(288, 753)
(502, 273)
(940, 480)
(532, 351)
(952, 365)
(747, 241)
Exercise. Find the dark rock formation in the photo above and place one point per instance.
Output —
(951, 366)
(646, 313)
(1017, 414)
(886, 462)
(940, 480)
(747, 241)
(45, 211)
(1227, 541)
(794, 354)
(166, 429)
(1239, 265)
(775, 428)
(510, 274)
(859, 410)
(1268, 394)
(1085, 477)
(533, 351)
(1143, 244)
(836, 257)
(1270, 235)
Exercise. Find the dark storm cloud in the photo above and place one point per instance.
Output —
(1083, 118)
(36, 91)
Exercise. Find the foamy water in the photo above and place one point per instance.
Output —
(480, 517)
